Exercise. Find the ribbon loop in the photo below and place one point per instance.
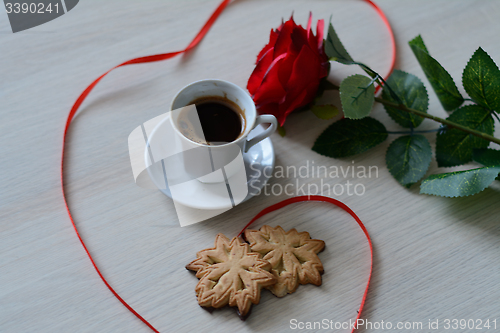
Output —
(336, 203)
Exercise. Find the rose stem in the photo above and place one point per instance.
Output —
(450, 124)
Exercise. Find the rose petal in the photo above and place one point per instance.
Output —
(303, 84)
(286, 66)
(272, 40)
(319, 32)
(324, 69)
(305, 71)
(325, 63)
(259, 72)
(299, 37)
(284, 39)
(312, 41)
(271, 89)
(309, 21)
(286, 108)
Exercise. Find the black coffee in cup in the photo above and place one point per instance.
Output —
(221, 121)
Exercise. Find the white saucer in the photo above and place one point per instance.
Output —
(259, 166)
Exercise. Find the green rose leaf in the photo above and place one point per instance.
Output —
(325, 111)
(348, 137)
(460, 183)
(334, 48)
(357, 96)
(487, 157)
(454, 147)
(408, 158)
(281, 131)
(411, 91)
(481, 80)
(419, 43)
(440, 79)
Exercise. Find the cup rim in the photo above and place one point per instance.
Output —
(249, 125)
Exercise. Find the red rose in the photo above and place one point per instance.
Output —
(289, 69)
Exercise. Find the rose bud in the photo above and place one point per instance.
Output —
(289, 69)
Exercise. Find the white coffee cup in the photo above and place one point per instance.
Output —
(227, 157)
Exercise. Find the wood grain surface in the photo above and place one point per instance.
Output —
(435, 258)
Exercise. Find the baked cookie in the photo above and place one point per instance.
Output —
(292, 254)
(230, 274)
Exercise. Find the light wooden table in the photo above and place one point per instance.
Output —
(435, 258)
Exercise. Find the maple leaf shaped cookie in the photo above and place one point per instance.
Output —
(292, 254)
(230, 274)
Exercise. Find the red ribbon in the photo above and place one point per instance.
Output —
(79, 101)
(391, 36)
(337, 203)
(165, 56)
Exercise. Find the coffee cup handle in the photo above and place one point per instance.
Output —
(262, 119)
